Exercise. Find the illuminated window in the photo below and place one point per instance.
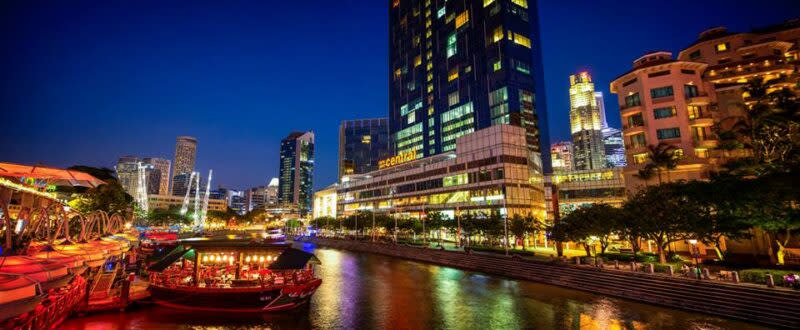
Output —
(417, 61)
(497, 35)
(453, 98)
(665, 112)
(455, 180)
(366, 139)
(701, 153)
(638, 140)
(462, 19)
(429, 66)
(441, 12)
(411, 118)
(640, 158)
(668, 133)
(498, 96)
(521, 3)
(519, 39)
(694, 111)
(497, 65)
(429, 77)
(453, 74)
(486, 3)
(722, 47)
(451, 45)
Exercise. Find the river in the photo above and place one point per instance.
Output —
(367, 291)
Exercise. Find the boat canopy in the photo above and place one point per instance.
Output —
(293, 259)
(173, 256)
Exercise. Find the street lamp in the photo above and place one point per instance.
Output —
(592, 240)
(696, 255)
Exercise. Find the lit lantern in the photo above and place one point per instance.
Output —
(247, 259)
(269, 258)
(205, 258)
(261, 258)
(224, 258)
(218, 258)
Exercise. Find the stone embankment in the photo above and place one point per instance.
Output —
(760, 305)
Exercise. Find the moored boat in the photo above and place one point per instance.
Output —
(234, 275)
(19, 294)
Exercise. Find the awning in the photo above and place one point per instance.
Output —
(54, 176)
(170, 258)
(293, 259)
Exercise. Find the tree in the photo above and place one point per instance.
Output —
(436, 221)
(661, 215)
(716, 204)
(662, 157)
(773, 206)
(596, 222)
(646, 173)
(520, 227)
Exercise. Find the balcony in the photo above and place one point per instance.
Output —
(699, 99)
(633, 128)
(627, 110)
(707, 143)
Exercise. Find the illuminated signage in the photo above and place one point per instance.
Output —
(37, 184)
(397, 160)
(583, 177)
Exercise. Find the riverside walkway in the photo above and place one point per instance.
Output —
(772, 307)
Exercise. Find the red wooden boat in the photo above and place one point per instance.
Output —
(234, 275)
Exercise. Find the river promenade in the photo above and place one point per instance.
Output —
(773, 307)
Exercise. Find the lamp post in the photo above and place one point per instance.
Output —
(373, 223)
(696, 255)
(592, 240)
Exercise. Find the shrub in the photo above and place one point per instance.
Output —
(626, 257)
(759, 276)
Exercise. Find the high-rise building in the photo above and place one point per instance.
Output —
(561, 153)
(128, 173)
(159, 179)
(585, 124)
(461, 66)
(297, 171)
(180, 183)
(255, 198)
(271, 198)
(666, 101)
(614, 147)
(185, 155)
(362, 143)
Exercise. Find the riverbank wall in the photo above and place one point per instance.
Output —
(766, 306)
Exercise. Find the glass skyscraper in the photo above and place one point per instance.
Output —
(297, 171)
(461, 66)
(362, 143)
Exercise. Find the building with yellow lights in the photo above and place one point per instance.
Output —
(581, 188)
(585, 124)
(663, 100)
(167, 201)
(325, 202)
(490, 170)
(769, 54)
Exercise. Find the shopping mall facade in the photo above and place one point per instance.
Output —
(490, 170)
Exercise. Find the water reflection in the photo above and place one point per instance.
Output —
(364, 291)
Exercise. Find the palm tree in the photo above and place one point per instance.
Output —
(663, 157)
(646, 173)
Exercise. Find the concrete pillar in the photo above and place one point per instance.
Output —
(633, 266)
(650, 269)
(577, 260)
(616, 264)
(735, 277)
(706, 274)
(670, 270)
(770, 281)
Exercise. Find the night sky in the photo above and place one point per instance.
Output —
(84, 82)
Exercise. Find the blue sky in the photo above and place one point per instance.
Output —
(84, 82)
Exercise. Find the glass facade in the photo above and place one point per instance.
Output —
(297, 171)
(362, 143)
(464, 49)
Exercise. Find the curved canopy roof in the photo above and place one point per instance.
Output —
(55, 176)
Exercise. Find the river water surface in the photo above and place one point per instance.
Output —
(367, 291)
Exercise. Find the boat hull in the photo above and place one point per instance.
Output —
(243, 300)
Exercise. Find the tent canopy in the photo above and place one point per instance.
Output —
(55, 176)
(293, 259)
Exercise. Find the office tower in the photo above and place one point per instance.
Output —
(180, 183)
(561, 153)
(614, 147)
(612, 138)
(159, 179)
(666, 101)
(255, 198)
(297, 171)
(461, 66)
(585, 124)
(185, 154)
(272, 192)
(362, 143)
(128, 173)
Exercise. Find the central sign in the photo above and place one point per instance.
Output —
(397, 160)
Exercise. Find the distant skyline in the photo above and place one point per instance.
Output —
(85, 82)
